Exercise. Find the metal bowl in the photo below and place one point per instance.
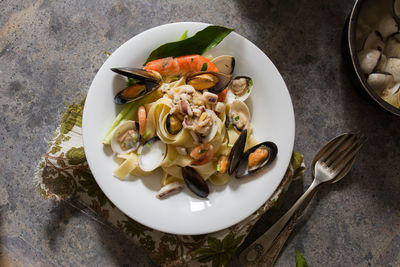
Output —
(350, 55)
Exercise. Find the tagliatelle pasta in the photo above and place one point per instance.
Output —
(189, 124)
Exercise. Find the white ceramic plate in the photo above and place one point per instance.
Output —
(184, 213)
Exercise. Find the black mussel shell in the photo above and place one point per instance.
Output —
(173, 128)
(195, 182)
(137, 74)
(237, 152)
(223, 80)
(135, 92)
(243, 169)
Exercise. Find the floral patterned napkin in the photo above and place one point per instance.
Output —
(63, 173)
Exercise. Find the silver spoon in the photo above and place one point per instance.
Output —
(330, 165)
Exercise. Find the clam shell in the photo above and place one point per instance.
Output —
(121, 129)
(236, 107)
(230, 96)
(225, 63)
(152, 153)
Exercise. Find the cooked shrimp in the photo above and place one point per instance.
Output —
(142, 119)
(180, 65)
(202, 154)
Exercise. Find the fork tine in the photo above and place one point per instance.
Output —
(333, 147)
(347, 156)
(340, 149)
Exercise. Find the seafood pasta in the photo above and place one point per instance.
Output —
(189, 118)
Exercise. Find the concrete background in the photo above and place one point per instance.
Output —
(51, 50)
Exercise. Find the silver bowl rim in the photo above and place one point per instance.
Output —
(351, 33)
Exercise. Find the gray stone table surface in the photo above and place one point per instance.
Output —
(51, 50)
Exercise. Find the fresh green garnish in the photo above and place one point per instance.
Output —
(300, 260)
(131, 81)
(196, 45)
(250, 82)
(170, 160)
(183, 36)
(237, 118)
(133, 139)
(146, 134)
(204, 67)
(230, 125)
(201, 151)
(148, 144)
(218, 167)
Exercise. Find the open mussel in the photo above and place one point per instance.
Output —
(144, 83)
(214, 82)
(236, 152)
(173, 123)
(195, 182)
(256, 158)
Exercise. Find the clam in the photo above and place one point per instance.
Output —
(387, 26)
(396, 9)
(169, 189)
(239, 115)
(392, 48)
(374, 41)
(256, 158)
(151, 154)
(393, 67)
(214, 82)
(380, 81)
(236, 152)
(369, 60)
(173, 124)
(195, 182)
(126, 137)
(239, 89)
(146, 82)
(225, 63)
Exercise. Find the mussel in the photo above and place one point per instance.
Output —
(256, 158)
(236, 152)
(151, 154)
(173, 124)
(146, 82)
(253, 160)
(214, 82)
(195, 182)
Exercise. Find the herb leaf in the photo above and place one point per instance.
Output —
(300, 260)
(198, 44)
(183, 36)
(204, 67)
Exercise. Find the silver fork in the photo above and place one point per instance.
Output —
(330, 165)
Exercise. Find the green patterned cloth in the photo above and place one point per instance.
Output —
(63, 173)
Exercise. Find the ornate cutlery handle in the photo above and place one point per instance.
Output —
(265, 251)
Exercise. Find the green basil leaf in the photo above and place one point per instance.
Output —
(300, 260)
(197, 44)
